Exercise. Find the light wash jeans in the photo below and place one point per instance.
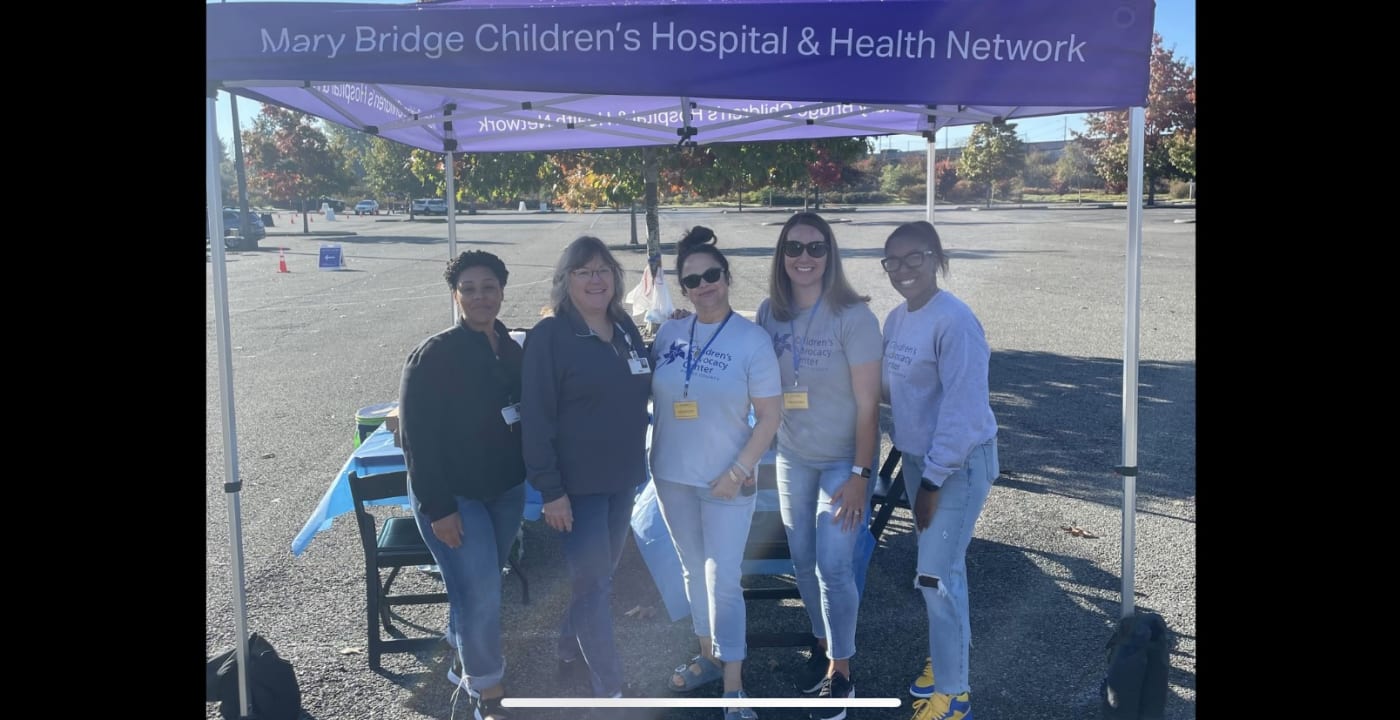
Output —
(472, 574)
(592, 550)
(943, 559)
(822, 554)
(710, 535)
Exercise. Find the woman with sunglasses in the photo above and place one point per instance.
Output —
(584, 414)
(828, 345)
(710, 368)
(935, 376)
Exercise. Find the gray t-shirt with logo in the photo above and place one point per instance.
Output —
(824, 346)
(737, 366)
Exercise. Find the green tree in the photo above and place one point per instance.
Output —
(228, 181)
(1039, 170)
(389, 172)
(1171, 111)
(1074, 169)
(351, 148)
(993, 154)
(898, 177)
(1181, 150)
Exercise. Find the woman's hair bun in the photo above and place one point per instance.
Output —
(698, 235)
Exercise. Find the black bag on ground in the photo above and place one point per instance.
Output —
(273, 692)
(1135, 687)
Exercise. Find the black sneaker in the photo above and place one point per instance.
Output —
(836, 686)
(575, 679)
(490, 709)
(813, 672)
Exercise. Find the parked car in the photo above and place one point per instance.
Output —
(367, 207)
(232, 239)
(436, 206)
(420, 206)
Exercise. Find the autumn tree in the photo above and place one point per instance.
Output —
(1171, 112)
(946, 172)
(993, 154)
(289, 158)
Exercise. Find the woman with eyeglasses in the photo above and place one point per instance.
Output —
(587, 380)
(710, 368)
(935, 377)
(461, 441)
(828, 345)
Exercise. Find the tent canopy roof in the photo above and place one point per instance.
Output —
(517, 75)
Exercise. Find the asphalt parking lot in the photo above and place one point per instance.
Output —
(311, 346)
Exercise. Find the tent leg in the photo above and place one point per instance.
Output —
(1131, 308)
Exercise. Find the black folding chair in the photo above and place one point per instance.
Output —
(391, 547)
(889, 493)
(768, 541)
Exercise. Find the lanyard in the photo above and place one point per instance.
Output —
(797, 345)
(691, 364)
(628, 339)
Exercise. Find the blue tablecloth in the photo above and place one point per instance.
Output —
(377, 455)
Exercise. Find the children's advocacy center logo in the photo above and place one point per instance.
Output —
(781, 341)
(673, 353)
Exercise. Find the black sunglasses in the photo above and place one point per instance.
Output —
(710, 276)
(816, 248)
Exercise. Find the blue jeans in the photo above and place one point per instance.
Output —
(710, 535)
(822, 554)
(943, 559)
(593, 549)
(472, 574)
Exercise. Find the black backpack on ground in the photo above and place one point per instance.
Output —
(1135, 687)
(273, 692)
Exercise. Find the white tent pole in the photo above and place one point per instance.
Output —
(451, 219)
(931, 181)
(1131, 304)
(214, 207)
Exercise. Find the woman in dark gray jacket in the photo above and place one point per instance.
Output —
(587, 380)
(459, 420)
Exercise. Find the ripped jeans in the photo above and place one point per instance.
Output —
(942, 563)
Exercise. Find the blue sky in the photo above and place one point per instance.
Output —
(1175, 21)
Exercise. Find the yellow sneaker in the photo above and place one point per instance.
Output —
(922, 687)
(941, 706)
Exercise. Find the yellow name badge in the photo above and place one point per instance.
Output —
(795, 399)
(686, 409)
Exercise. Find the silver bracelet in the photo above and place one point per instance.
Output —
(747, 472)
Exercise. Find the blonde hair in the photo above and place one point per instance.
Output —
(579, 253)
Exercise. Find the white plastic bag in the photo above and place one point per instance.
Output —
(661, 305)
(651, 298)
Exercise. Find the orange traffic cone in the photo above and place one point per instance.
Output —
(281, 261)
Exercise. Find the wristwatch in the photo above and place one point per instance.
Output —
(861, 471)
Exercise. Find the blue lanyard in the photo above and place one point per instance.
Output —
(797, 346)
(691, 364)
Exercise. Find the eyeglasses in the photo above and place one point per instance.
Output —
(911, 261)
(586, 274)
(710, 276)
(816, 248)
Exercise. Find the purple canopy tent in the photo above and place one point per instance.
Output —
(511, 75)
